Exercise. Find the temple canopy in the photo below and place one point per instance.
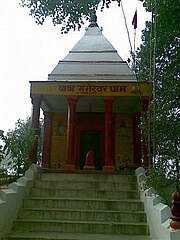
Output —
(92, 68)
(89, 96)
(92, 58)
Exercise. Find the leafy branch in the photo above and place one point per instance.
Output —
(70, 13)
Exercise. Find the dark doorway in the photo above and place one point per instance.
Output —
(91, 141)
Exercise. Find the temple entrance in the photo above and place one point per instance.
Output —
(91, 141)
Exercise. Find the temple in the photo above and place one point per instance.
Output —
(92, 104)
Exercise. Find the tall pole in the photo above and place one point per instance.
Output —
(71, 130)
(46, 152)
(109, 165)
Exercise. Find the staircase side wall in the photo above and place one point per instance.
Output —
(11, 200)
(158, 214)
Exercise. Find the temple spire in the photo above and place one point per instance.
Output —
(93, 20)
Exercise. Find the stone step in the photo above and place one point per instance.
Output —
(74, 236)
(87, 177)
(76, 184)
(82, 215)
(76, 206)
(85, 193)
(80, 203)
(80, 226)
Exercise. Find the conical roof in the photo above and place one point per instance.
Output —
(93, 58)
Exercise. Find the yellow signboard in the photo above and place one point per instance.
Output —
(92, 89)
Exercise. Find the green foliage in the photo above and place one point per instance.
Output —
(159, 53)
(1, 147)
(17, 145)
(8, 165)
(168, 20)
(70, 13)
(40, 134)
(161, 33)
(156, 178)
(165, 125)
(3, 173)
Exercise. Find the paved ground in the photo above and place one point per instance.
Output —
(76, 236)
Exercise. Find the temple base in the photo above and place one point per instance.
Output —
(108, 169)
(69, 167)
(86, 167)
(175, 224)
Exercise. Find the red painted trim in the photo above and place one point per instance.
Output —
(137, 140)
(70, 158)
(46, 152)
(145, 105)
(109, 131)
(36, 101)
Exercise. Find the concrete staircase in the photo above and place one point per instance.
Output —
(81, 206)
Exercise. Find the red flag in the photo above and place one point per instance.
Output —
(134, 21)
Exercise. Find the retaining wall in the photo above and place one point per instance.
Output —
(158, 214)
(11, 199)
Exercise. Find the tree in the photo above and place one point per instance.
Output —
(71, 14)
(158, 62)
(18, 143)
(2, 170)
(1, 147)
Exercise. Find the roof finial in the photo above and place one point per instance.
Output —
(93, 20)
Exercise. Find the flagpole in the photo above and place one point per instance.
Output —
(126, 26)
(154, 81)
(134, 23)
(134, 40)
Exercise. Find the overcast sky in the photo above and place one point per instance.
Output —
(29, 52)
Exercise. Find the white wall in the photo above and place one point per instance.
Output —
(158, 214)
(11, 199)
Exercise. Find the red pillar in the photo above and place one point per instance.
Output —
(145, 104)
(136, 140)
(36, 101)
(109, 165)
(71, 130)
(46, 152)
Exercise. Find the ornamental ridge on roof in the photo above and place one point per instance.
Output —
(93, 20)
